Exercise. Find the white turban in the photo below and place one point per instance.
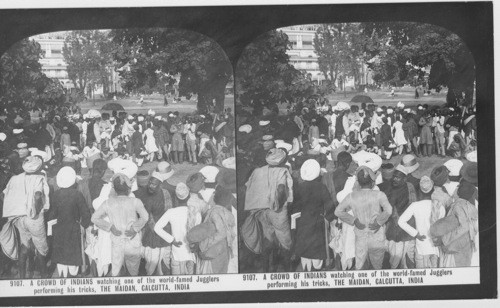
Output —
(245, 128)
(124, 166)
(210, 173)
(66, 177)
(310, 170)
(370, 160)
(454, 166)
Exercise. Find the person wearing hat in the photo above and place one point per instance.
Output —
(314, 203)
(222, 238)
(65, 142)
(70, 210)
(196, 204)
(26, 198)
(409, 165)
(460, 243)
(270, 189)
(439, 177)
(210, 175)
(126, 217)
(469, 173)
(401, 194)
(156, 202)
(425, 212)
(371, 210)
(454, 166)
(183, 260)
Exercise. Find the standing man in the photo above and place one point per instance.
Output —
(270, 189)
(26, 199)
(400, 194)
(156, 201)
(126, 218)
(425, 212)
(183, 260)
(371, 209)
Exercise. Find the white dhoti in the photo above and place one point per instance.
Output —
(63, 270)
(309, 264)
(155, 257)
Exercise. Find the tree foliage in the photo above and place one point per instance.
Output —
(89, 56)
(400, 52)
(340, 50)
(150, 57)
(22, 79)
(264, 74)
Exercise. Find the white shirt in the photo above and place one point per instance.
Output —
(177, 217)
(421, 210)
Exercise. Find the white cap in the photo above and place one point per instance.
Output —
(3, 137)
(182, 191)
(151, 112)
(210, 173)
(454, 166)
(247, 128)
(310, 170)
(229, 163)
(264, 123)
(130, 117)
(66, 177)
(283, 145)
(472, 156)
(125, 166)
(42, 154)
(370, 160)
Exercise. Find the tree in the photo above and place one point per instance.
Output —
(340, 50)
(401, 51)
(21, 77)
(150, 57)
(264, 74)
(88, 54)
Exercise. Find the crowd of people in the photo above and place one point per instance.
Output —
(79, 200)
(357, 186)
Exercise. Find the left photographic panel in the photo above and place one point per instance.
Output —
(116, 160)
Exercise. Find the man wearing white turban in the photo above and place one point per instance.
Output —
(26, 199)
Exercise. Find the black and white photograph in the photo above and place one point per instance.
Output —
(236, 153)
(362, 138)
(117, 155)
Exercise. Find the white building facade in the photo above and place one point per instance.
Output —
(304, 57)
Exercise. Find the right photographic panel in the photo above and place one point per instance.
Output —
(356, 150)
